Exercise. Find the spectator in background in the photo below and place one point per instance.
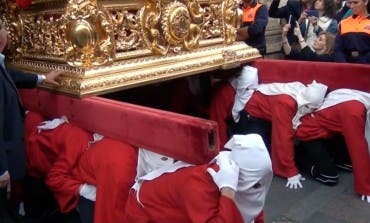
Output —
(352, 43)
(322, 48)
(343, 10)
(323, 19)
(291, 12)
(255, 19)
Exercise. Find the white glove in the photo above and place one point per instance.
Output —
(366, 198)
(52, 124)
(295, 181)
(88, 191)
(228, 174)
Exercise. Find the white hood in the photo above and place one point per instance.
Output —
(308, 97)
(244, 85)
(255, 173)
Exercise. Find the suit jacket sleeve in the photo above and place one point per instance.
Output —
(23, 80)
(3, 161)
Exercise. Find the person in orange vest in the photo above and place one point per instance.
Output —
(352, 44)
(255, 19)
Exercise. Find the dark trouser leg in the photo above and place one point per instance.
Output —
(248, 124)
(338, 150)
(38, 200)
(86, 210)
(313, 158)
(8, 211)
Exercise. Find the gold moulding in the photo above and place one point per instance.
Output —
(106, 46)
(136, 72)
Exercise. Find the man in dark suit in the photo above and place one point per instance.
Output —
(12, 153)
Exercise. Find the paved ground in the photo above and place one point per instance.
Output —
(316, 203)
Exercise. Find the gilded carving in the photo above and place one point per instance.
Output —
(105, 46)
(89, 34)
(127, 33)
(13, 24)
(232, 17)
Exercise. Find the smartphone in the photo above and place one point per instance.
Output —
(314, 13)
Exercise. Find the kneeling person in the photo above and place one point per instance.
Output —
(231, 189)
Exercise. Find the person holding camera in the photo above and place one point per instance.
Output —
(291, 12)
(322, 47)
(322, 18)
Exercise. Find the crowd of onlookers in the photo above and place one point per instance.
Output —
(312, 30)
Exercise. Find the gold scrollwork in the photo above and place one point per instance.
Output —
(232, 19)
(176, 22)
(14, 26)
(89, 31)
(127, 34)
(149, 16)
(171, 27)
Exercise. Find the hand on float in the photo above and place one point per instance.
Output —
(50, 78)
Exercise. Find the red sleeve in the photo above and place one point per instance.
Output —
(204, 203)
(133, 211)
(220, 109)
(60, 179)
(283, 109)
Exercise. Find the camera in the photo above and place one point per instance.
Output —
(314, 13)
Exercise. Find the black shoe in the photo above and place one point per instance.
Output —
(323, 178)
(345, 167)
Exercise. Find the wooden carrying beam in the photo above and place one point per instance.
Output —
(334, 75)
(182, 137)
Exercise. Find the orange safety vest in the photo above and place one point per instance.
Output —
(249, 13)
(355, 25)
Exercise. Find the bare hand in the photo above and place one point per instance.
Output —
(297, 31)
(4, 179)
(285, 29)
(313, 20)
(52, 76)
(242, 34)
(302, 17)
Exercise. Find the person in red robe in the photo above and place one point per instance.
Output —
(77, 164)
(346, 112)
(233, 189)
(280, 104)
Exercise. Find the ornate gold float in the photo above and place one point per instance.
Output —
(110, 45)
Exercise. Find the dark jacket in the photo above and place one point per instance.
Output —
(257, 27)
(307, 54)
(12, 153)
(352, 44)
(294, 8)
